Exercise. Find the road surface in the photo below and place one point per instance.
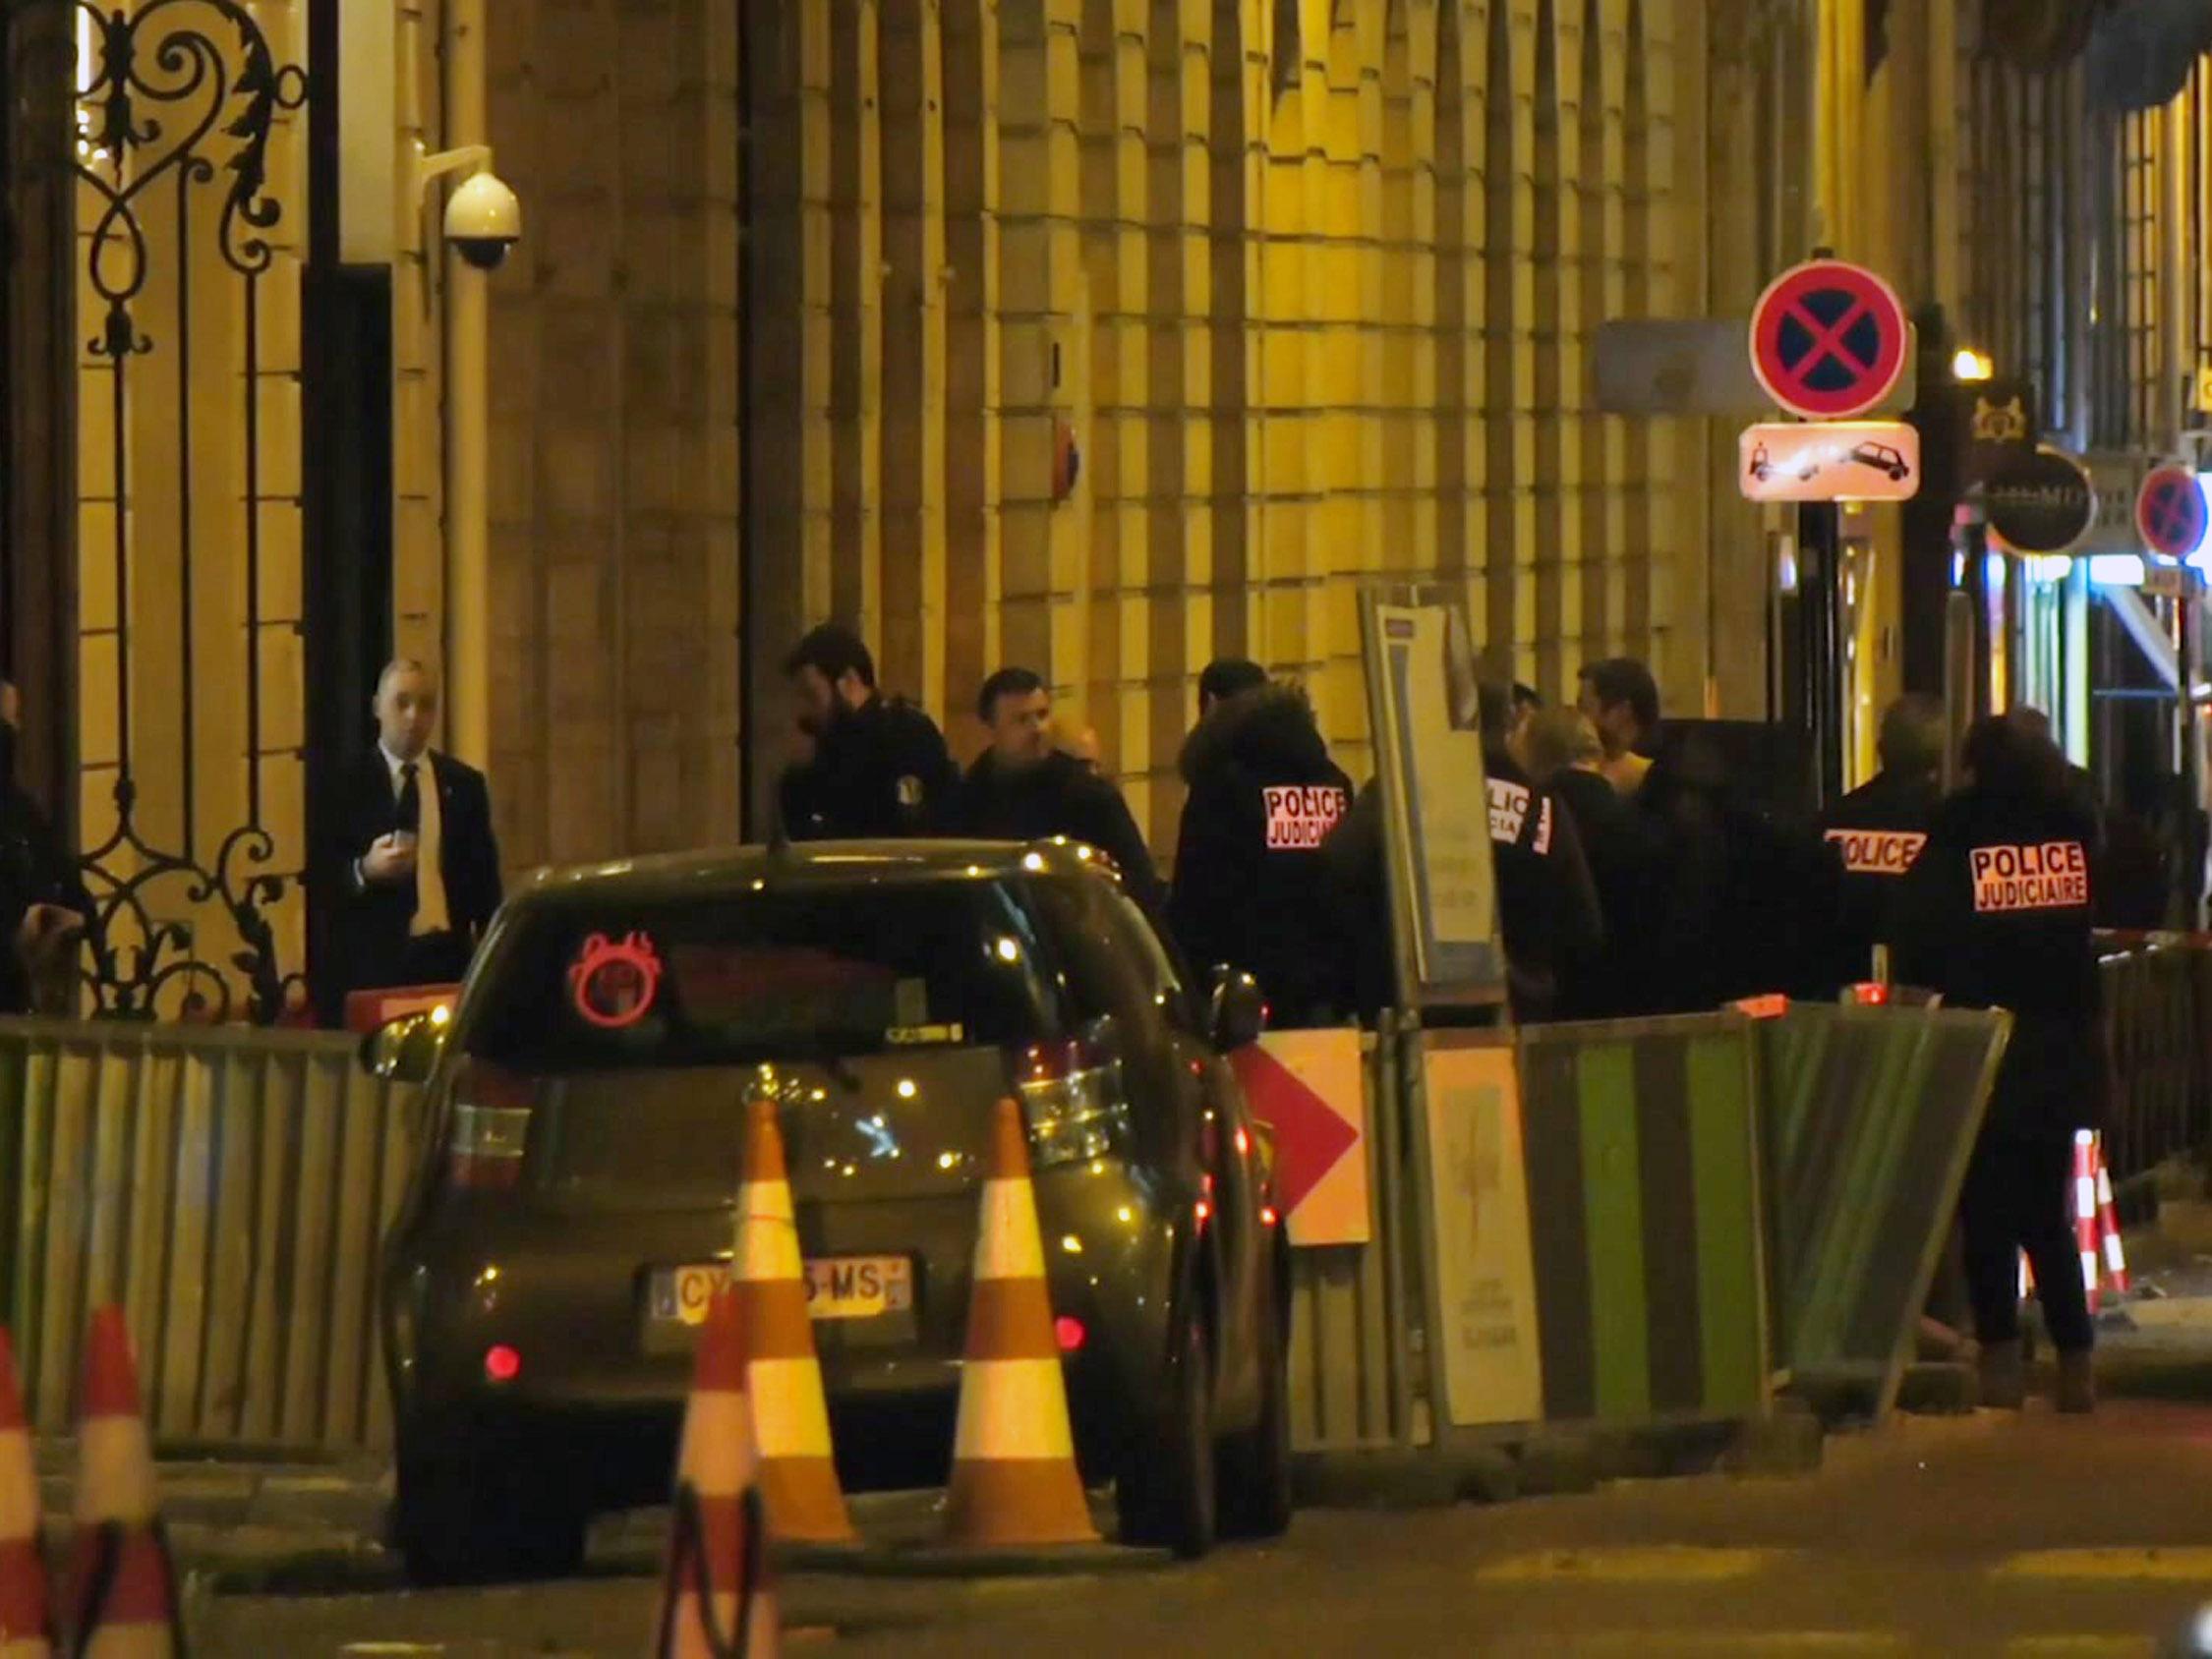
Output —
(2032, 1535)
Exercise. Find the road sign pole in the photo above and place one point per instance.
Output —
(2188, 647)
(1820, 588)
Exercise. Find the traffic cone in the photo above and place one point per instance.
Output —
(123, 1591)
(26, 1625)
(2085, 1213)
(2108, 1220)
(1013, 1458)
(790, 1414)
(720, 1599)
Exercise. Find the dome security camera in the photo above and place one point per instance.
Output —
(483, 221)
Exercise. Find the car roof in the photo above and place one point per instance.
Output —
(815, 865)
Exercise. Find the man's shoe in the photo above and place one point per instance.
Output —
(2077, 1382)
(2004, 1375)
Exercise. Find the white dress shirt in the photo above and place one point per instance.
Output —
(430, 914)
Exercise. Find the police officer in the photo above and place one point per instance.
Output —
(1995, 912)
(869, 766)
(1879, 828)
(1263, 796)
(1546, 902)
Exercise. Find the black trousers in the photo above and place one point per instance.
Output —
(2018, 1197)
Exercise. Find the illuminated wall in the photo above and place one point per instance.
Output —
(1309, 286)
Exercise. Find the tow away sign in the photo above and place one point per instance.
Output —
(1829, 461)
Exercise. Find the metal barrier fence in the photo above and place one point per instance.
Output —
(1568, 1233)
(2158, 988)
(229, 1187)
(1642, 1153)
(1869, 1118)
(1351, 1367)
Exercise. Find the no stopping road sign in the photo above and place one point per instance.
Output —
(2169, 513)
(1829, 340)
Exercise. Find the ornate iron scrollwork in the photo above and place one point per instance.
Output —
(186, 90)
(127, 981)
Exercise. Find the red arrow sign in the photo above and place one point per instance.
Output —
(1310, 1136)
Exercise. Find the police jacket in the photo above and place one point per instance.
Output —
(1058, 795)
(1877, 832)
(1263, 796)
(1997, 913)
(880, 771)
(1546, 904)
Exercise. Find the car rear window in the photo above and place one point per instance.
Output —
(728, 979)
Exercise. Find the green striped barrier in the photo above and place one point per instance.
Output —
(1643, 1169)
(1869, 1117)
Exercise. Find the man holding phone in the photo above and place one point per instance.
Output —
(420, 869)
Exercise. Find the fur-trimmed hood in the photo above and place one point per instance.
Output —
(1267, 730)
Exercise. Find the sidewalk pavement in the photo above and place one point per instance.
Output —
(259, 1525)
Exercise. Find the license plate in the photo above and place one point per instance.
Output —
(837, 1287)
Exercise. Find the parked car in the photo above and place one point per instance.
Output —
(585, 1105)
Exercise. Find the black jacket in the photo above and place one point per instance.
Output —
(880, 771)
(1548, 911)
(1616, 849)
(1995, 914)
(1057, 796)
(374, 917)
(34, 869)
(1877, 832)
(1739, 900)
(1263, 796)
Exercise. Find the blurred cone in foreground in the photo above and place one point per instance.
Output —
(2108, 1219)
(790, 1413)
(122, 1597)
(25, 1612)
(719, 1601)
(1013, 1458)
(2085, 1212)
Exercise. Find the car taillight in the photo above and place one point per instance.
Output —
(1072, 1098)
(491, 1129)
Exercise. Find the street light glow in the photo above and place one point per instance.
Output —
(1971, 365)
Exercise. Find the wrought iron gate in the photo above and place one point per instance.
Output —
(183, 204)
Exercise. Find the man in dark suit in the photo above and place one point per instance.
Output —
(415, 866)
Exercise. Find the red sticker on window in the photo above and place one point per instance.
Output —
(613, 982)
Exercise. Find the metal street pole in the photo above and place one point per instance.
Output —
(468, 419)
(1820, 543)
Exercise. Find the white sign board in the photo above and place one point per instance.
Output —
(2168, 581)
(1488, 1337)
(1429, 763)
(1829, 461)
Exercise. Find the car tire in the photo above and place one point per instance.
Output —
(1166, 1491)
(1255, 1465)
(471, 1513)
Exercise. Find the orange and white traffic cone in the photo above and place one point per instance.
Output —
(790, 1412)
(123, 1591)
(2085, 1213)
(2108, 1220)
(26, 1624)
(1013, 1456)
(720, 1599)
